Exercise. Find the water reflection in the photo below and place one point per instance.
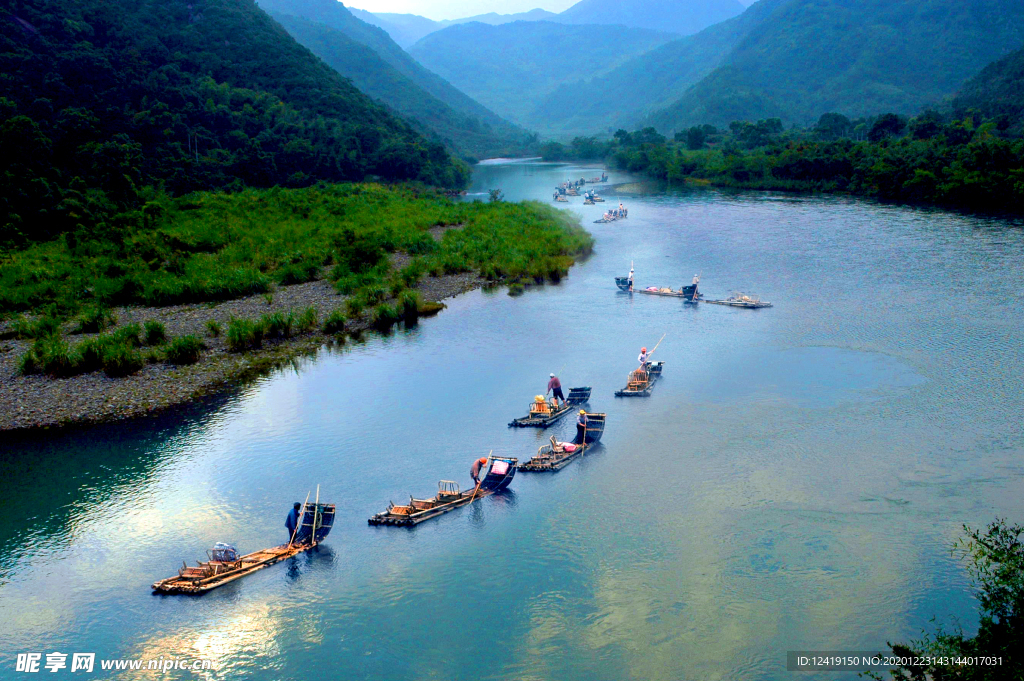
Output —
(793, 482)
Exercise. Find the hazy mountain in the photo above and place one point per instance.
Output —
(684, 17)
(648, 82)
(396, 78)
(510, 68)
(406, 29)
(857, 57)
(997, 91)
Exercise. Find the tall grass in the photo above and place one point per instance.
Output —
(244, 334)
(155, 333)
(185, 350)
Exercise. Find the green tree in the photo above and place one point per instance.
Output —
(833, 126)
(887, 125)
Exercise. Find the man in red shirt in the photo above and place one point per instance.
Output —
(555, 388)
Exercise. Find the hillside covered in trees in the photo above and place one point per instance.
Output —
(997, 92)
(511, 67)
(861, 58)
(100, 101)
(383, 70)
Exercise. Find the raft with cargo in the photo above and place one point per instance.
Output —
(556, 455)
(544, 413)
(739, 300)
(225, 565)
(449, 497)
(641, 381)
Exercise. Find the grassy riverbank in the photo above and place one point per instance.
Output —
(189, 280)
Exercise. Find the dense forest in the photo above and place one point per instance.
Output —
(383, 70)
(101, 101)
(967, 162)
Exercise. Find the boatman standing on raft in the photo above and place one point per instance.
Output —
(555, 388)
(292, 521)
(478, 465)
(581, 427)
(643, 359)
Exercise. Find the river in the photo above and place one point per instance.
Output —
(795, 481)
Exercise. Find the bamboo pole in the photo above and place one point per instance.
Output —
(656, 346)
(299, 520)
(316, 512)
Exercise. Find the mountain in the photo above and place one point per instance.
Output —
(684, 17)
(998, 91)
(857, 57)
(101, 99)
(511, 67)
(651, 81)
(382, 69)
(406, 29)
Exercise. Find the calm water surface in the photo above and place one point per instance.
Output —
(794, 482)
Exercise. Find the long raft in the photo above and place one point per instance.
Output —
(449, 497)
(224, 564)
(640, 382)
(557, 455)
(543, 414)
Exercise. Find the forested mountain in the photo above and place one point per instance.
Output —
(857, 57)
(684, 17)
(651, 81)
(406, 29)
(390, 74)
(100, 99)
(996, 92)
(511, 67)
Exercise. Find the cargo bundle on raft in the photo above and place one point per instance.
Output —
(449, 497)
(641, 381)
(556, 455)
(225, 565)
(544, 413)
(739, 300)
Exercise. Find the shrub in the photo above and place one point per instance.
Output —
(244, 335)
(269, 297)
(41, 327)
(354, 306)
(57, 358)
(277, 324)
(335, 322)
(91, 352)
(298, 273)
(185, 350)
(308, 320)
(409, 304)
(128, 334)
(122, 359)
(213, 328)
(429, 309)
(155, 333)
(152, 356)
(94, 320)
(376, 294)
(384, 316)
(28, 364)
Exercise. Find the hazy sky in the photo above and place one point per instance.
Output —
(459, 9)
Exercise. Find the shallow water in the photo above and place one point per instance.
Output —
(794, 482)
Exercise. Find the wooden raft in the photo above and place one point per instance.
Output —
(640, 382)
(206, 576)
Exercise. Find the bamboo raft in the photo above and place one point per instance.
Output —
(543, 414)
(449, 497)
(743, 301)
(689, 294)
(640, 382)
(557, 455)
(316, 521)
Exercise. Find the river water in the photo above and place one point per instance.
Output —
(794, 482)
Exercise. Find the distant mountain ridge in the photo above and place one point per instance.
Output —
(684, 17)
(389, 73)
(511, 67)
(857, 57)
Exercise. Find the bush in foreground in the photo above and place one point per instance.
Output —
(244, 335)
(185, 350)
(335, 323)
(155, 333)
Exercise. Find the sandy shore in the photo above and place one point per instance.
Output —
(31, 402)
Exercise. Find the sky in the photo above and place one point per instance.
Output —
(459, 9)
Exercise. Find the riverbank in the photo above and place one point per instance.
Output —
(39, 401)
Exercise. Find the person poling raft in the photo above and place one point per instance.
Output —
(613, 215)
(307, 524)
(556, 455)
(642, 379)
(449, 497)
(543, 413)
